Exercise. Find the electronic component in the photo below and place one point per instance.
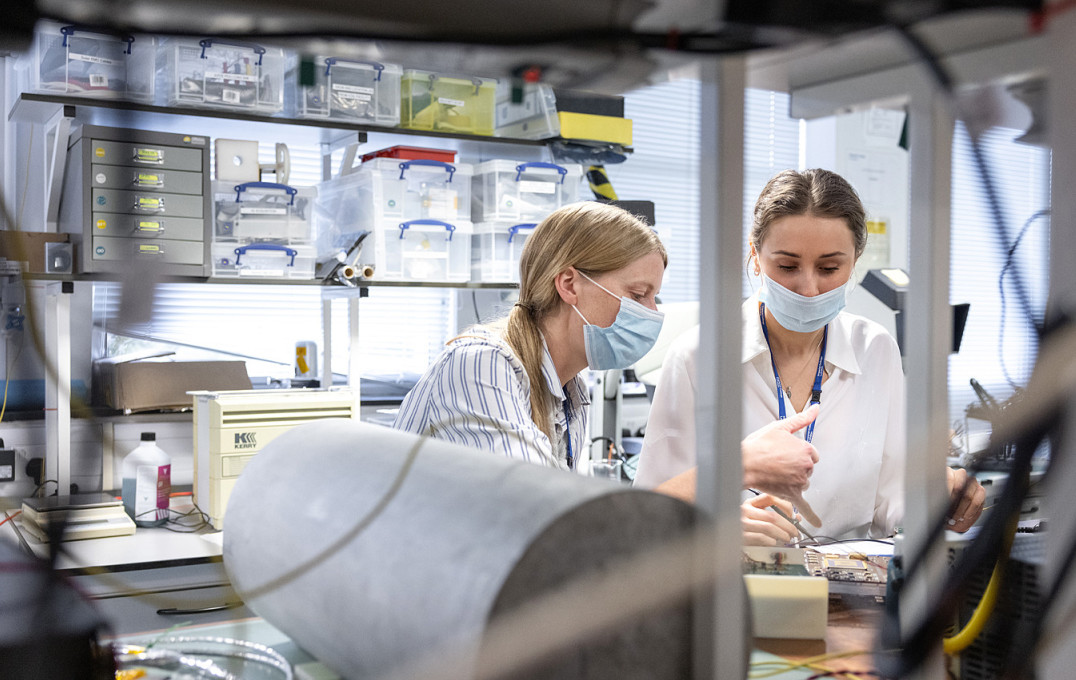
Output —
(789, 598)
(7, 463)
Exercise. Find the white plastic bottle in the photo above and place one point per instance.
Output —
(147, 482)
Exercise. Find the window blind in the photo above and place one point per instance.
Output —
(996, 351)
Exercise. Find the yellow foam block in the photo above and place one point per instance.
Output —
(593, 127)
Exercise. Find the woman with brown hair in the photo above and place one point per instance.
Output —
(803, 355)
(589, 275)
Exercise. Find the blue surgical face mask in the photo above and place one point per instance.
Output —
(632, 334)
(800, 313)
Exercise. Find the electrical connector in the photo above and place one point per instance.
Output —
(7, 464)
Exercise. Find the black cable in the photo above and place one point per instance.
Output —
(474, 303)
(1001, 291)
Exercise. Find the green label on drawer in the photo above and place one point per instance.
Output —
(149, 155)
(145, 178)
(149, 249)
(149, 226)
(150, 203)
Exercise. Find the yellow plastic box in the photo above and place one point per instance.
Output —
(456, 104)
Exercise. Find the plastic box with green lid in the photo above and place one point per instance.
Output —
(76, 60)
(349, 90)
(447, 103)
(221, 73)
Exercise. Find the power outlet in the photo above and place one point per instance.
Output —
(7, 465)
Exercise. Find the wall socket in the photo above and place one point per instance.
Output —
(7, 465)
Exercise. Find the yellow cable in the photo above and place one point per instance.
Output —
(811, 662)
(962, 639)
(7, 381)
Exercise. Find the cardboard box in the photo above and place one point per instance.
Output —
(149, 385)
(29, 247)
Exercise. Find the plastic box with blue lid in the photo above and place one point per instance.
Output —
(447, 103)
(75, 60)
(534, 116)
(392, 189)
(263, 211)
(496, 249)
(522, 191)
(347, 90)
(423, 250)
(263, 260)
(221, 73)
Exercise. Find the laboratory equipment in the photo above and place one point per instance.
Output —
(232, 427)
(374, 549)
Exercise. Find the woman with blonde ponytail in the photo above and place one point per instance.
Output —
(589, 275)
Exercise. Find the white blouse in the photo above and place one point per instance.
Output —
(857, 485)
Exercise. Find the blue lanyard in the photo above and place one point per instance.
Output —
(816, 391)
(568, 431)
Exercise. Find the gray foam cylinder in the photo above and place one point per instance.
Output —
(466, 537)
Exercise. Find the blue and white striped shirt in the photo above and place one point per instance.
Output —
(477, 394)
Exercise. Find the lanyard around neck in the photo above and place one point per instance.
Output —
(816, 390)
(568, 431)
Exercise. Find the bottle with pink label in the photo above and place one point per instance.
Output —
(147, 482)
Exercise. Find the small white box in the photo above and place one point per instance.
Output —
(249, 211)
(534, 117)
(496, 249)
(75, 60)
(263, 260)
(423, 250)
(348, 90)
(219, 73)
(522, 191)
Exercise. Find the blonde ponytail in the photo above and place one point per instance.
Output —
(592, 237)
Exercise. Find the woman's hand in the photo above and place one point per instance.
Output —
(971, 496)
(763, 526)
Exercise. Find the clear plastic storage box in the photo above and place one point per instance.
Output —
(74, 60)
(522, 192)
(263, 260)
(456, 104)
(217, 73)
(534, 117)
(348, 90)
(263, 211)
(496, 248)
(423, 250)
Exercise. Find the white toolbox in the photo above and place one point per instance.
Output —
(249, 211)
(522, 192)
(76, 60)
(263, 260)
(348, 90)
(423, 250)
(223, 74)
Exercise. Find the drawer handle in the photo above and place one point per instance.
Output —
(149, 250)
(512, 231)
(147, 228)
(148, 155)
(448, 167)
(147, 180)
(404, 226)
(209, 42)
(173, 611)
(146, 204)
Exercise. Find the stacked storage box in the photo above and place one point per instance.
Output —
(222, 74)
(73, 60)
(533, 116)
(460, 105)
(418, 210)
(348, 90)
(263, 230)
(510, 198)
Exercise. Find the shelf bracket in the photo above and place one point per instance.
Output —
(57, 134)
